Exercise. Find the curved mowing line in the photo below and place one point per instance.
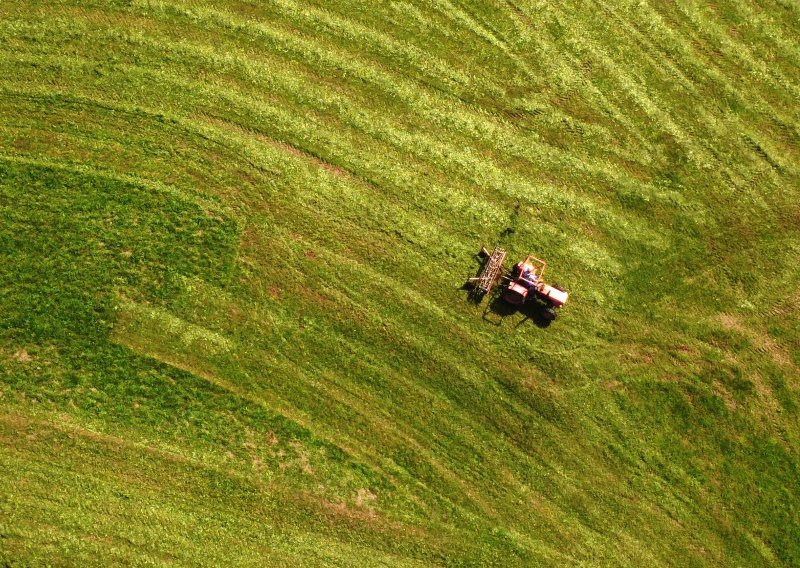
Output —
(71, 98)
(362, 35)
(398, 87)
(211, 131)
(486, 135)
(271, 399)
(200, 200)
(481, 171)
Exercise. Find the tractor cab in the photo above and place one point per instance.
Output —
(525, 276)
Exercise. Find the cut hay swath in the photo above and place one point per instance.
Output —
(233, 237)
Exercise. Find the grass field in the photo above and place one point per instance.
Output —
(233, 236)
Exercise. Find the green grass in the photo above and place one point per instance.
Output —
(232, 241)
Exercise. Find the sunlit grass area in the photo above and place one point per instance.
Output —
(233, 239)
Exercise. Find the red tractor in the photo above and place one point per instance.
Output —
(522, 284)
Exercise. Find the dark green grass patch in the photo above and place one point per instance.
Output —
(73, 238)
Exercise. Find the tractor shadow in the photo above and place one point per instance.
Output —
(474, 296)
(497, 310)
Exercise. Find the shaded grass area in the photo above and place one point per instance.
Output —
(232, 245)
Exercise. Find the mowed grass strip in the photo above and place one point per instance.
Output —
(245, 235)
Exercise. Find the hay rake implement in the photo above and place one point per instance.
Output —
(490, 272)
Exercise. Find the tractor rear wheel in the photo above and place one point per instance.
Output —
(549, 313)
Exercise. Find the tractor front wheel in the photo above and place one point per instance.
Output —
(549, 313)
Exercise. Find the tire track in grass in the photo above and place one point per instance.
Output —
(680, 39)
(730, 49)
(646, 100)
(671, 71)
(681, 54)
(676, 35)
(717, 131)
(769, 44)
(482, 30)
